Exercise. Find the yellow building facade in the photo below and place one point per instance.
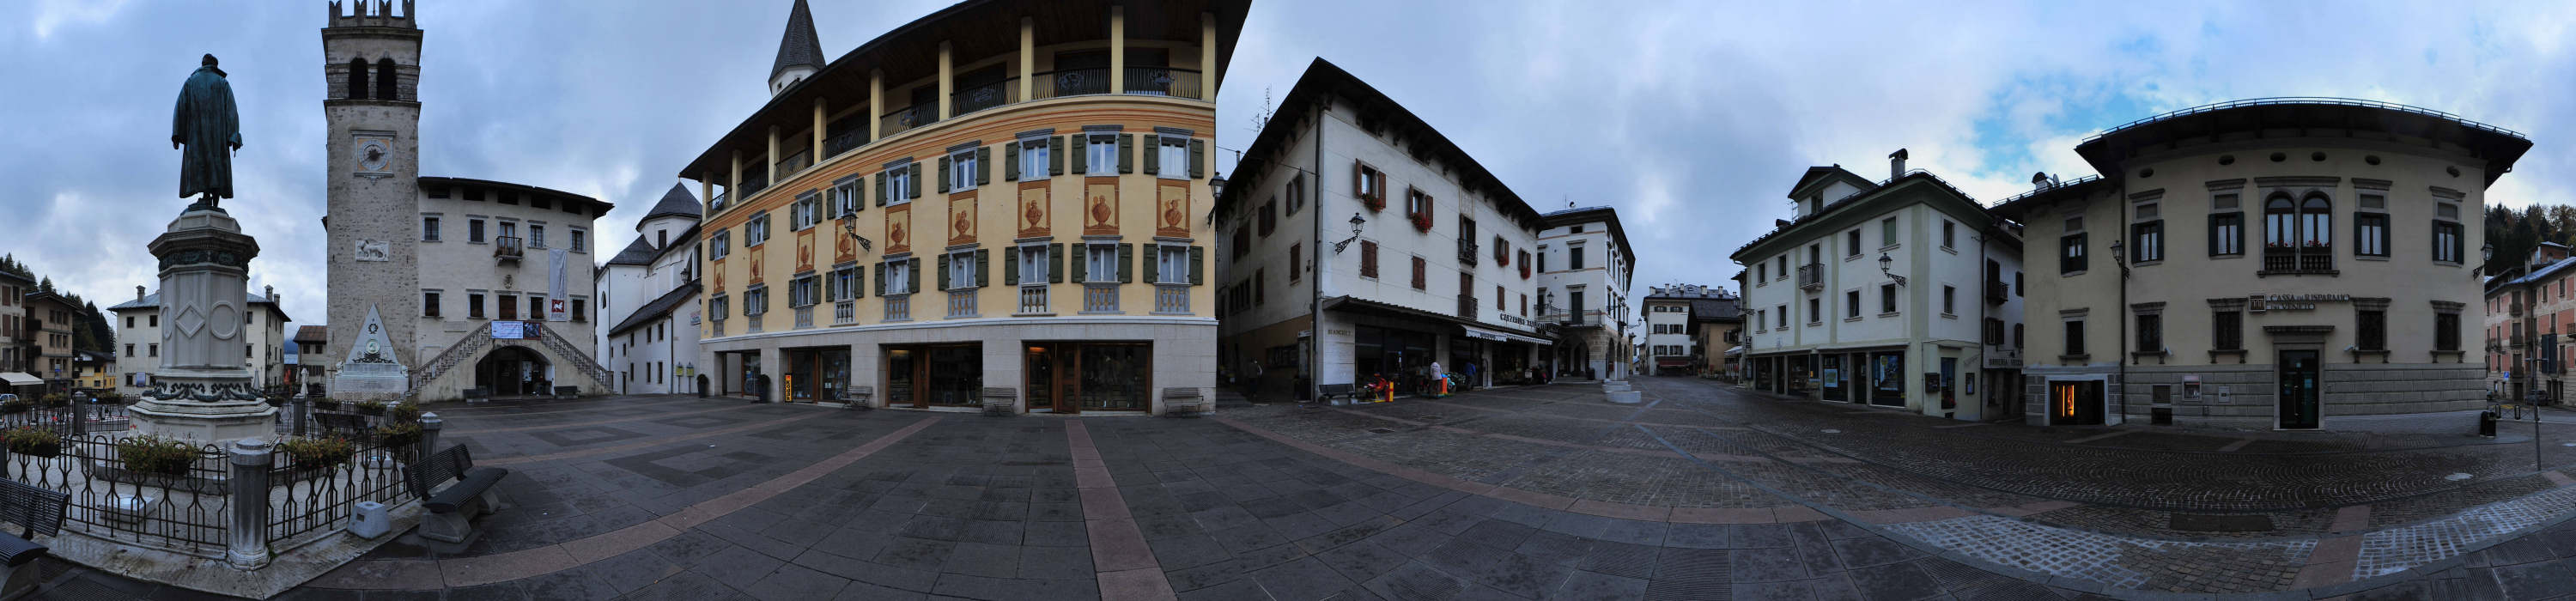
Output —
(996, 221)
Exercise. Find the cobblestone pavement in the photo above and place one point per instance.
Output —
(1531, 493)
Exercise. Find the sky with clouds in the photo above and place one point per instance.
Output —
(1692, 118)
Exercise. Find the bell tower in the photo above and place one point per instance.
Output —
(371, 60)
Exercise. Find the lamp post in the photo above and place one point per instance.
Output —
(1356, 221)
(1885, 264)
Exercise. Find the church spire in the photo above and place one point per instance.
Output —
(800, 51)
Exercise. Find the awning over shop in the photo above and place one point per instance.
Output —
(20, 379)
(1481, 333)
(1735, 351)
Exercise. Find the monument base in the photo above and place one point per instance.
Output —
(219, 422)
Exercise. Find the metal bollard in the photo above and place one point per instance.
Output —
(248, 532)
(303, 412)
(429, 426)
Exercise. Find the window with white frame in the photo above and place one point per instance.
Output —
(845, 196)
(1100, 153)
(961, 269)
(755, 231)
(845, 284)
(804, 213)
(961, 170)
(719, 244)
(898, 188)
(755, 301)
(580, 240)
(898, 277)
(536, 235)
(805, 291)
(1033, 158)
(1100, 262)
(1033, 263)
(509, 229)
(429, 228)
(720, 307)
(1172, 264)
(1173, 154)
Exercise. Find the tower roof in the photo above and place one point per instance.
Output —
(639, 252)
(677, 202)
(799, 46)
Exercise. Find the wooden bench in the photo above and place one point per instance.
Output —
(451, 509)
(1184, 402)
(1325, 393)
(37, 511)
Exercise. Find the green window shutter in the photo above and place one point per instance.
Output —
(1055, 263)
(945, 166)
(983, 165)
(913, 172)
(942, 266)
(1011, 162)
(1153, 158)
(1055, 155)
(1011, 266)
(1151, 267)
(881, 198)
(859, 289)
(915, 284)
(860, 203)
(1198, 265)
(983, 268)
(881, 291)
(1126, 153)
(1081, 263)
(1198, 158)
(1126, 263)
(1081, 153)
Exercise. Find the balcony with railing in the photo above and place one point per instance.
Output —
(2315, 258)
(507, 248)
(804, 317)
(843, 142)
(715, 203)
(1811, 276)
(1100, 298)
(961, 303)
(845, 312)
(904, 119)
(795, 162)
(1171, 300)
(1997, 292)
(715, 328)
(1070, 82)
(1033, 299)
(1467, 252)
(1163, 81)
(898, 307)
(971, 98)
(753, 181)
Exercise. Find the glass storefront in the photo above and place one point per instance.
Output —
(1802, 374)
(1887, 378)
(815, 374)
(1398, 355)
(1070, 377)
(1836, 387)
(948, 375)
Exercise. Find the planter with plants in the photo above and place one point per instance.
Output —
(38, 442)
(326, 404)
(154, 455)
(317, 453)
(405, 412)
(57, 400)
(371, 407)
(16, 406)
(397, 436)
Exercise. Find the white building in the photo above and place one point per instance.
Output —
(1670, 347)
(138, 340)
(1585, 267)
(1894, 294)
(1351, 212)
(649, 293)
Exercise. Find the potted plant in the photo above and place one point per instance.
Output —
(371, 407)
(16, 405)
(399, 435)
(405, 412)
(39, 442)
(155, 455)
(56, 399)
(317, 453)
(326, 404)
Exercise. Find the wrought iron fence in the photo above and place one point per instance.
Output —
(179, 500)
(312, 496)
(1071, 82)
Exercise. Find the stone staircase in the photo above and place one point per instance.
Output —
(476, 341)
(580, 357)
(466, 348)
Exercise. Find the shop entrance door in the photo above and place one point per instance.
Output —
(1949, 383)
(2299, 387)
(939, 375)
(1044, 387)
(2076, 403)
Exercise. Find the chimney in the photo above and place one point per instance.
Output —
(1896, 164)
(2039, 180)
(138, 293)
(271, 293)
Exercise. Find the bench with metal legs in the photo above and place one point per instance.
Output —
(453, 508)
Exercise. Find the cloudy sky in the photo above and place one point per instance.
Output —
(1693, 118)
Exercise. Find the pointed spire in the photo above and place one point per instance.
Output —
(799, 47)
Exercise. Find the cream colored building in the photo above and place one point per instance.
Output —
(2278, 264)
(1585, 267)
(1004, 201)
(138, 340)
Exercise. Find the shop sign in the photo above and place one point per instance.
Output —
(1515, 319)
(2258, 303)
(2003, 358)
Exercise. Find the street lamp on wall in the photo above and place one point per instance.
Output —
(1884, 268)
(1356, 221)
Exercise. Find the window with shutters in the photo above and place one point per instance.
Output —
(1172, 157)
(755, 301)
(1269, 217)
(805, 291)
(1368, 259)
(2446, 241)
(1100, 154)
(720, 307)
(1296, 261)
(2446, 331)
(1421, 274)
(1172, 264)
(1369, 185)
(1886, 299)
(1242, 242)
(2370, 234)
(845, 284)
(719, 244)
(2070, 254)
(898, 277)
(1033, 262)
(961, 269)
(755, 230)
(898, 186)
(845, 196)
(962, 170)
(1100, 262)
(804, 213)
(1296, 193)
(1033, 159)
(2227, 330)
(1417, 207)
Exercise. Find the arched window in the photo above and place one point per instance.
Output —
(2280, 222)
(385, 79)
(357, 79)
(2316, 221)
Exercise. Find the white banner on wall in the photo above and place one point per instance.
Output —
(557, 308)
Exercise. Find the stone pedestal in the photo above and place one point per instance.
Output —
(372, 372)
(202, 390)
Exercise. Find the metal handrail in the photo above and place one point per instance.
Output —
(2326, 100)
